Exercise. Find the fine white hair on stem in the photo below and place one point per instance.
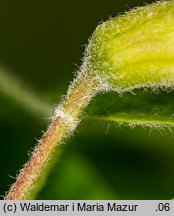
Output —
(69, 119)
(135, 50)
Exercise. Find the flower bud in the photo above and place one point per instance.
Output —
(135, 49)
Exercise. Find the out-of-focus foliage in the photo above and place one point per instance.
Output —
(145, 108)
(40, 42)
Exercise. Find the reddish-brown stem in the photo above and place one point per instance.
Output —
(79, 95)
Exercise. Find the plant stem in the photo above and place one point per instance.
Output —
(66, 118)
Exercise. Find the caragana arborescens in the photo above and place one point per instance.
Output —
(131, 51)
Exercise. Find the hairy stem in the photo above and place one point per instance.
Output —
(65, 120)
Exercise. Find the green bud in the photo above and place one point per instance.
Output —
(135, 49)
(131, 51)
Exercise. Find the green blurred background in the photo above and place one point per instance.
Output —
(41, 43)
